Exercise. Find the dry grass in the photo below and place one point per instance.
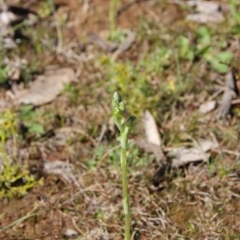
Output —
(197, 202)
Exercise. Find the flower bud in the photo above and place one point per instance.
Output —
(117, 97)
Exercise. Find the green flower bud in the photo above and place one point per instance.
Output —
(117, 97)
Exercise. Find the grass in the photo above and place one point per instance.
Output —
(172, 68)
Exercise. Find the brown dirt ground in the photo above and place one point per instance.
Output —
(200, 205)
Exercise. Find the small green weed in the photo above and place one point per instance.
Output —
(204, 49)
(31, 119)
(133, 84)
(15, 180)
(156, 61)
(3, 73)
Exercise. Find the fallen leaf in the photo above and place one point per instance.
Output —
(207, 106)
(151, 129)
(205, 18)
(11, 16)
(105, 45)
(152, 143)
(70, 233)
(152, 148)
(204, 6)
(63, 169)
(45, 88)
(229, 94)
(57, 167)
(129, 40)
(182, 156)
(8, 43)
(206, 12)
(226, 103)
(8, 17)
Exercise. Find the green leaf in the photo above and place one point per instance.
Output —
(117, 97)
(203, 50)
(25, 109)
(225, 57)
(203, 35)
(36, 128)
(3, 74)
(130, 121)
(219, 67)
(185, 51)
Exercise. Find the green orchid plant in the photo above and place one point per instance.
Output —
(124, 128)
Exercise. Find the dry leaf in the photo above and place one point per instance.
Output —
(226, 103)
(186, 156)
(63, 169)
(205, 7)
(151, 130)
(205, 18)
(183, 156)
(110, 46)
(10, 17)
(152, 148)
(206, 12)
(101, 43)
(57, 167)
(45, 88)
(7, 17)
(153, 142)
(128, 42)
(207, 106)
(70, 233)
(229, 94)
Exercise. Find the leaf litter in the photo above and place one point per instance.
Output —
(208, 106)
(10, 17)
(198, 153)
(206, 12)
(152, 143)
(189, 194)
(45, 88)
(230, 93)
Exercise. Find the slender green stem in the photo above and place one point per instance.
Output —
(125, 193)
(112, 15)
